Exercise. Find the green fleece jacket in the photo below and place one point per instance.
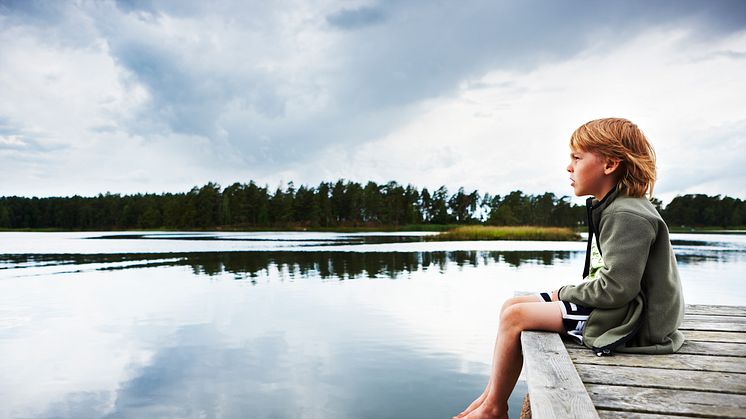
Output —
(636, 295)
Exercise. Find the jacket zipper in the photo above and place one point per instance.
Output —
(589, 217)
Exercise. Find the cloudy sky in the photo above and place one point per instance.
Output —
(153, 96)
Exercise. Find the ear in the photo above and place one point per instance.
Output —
(611, 166)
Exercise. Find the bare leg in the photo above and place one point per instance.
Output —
(508, 359)
(509, 302)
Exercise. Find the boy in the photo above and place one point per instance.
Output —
(631, 300)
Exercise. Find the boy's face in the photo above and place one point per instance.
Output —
(591, 173)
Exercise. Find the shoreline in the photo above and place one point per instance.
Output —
(380, 229)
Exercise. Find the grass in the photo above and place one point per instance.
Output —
(341, 229)
(507, 233)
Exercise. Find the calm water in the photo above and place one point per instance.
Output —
(278, 325)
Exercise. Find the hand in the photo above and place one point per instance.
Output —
(555, 295)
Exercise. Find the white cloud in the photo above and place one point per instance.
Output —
(509, 130)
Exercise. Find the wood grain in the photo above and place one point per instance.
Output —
(616, 414)
(723, 326)
(714, 336)
(716, 319)
(730, 383)
(715, 310)
(554, 386)
(667, 402)
(713, 348)
(672, 361)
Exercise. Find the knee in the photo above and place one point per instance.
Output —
(512, 318)
(509, 303)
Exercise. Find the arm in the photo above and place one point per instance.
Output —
(625, 241)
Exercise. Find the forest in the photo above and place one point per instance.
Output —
(332, 205)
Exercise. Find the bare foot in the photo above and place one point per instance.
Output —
(476, 403)
(488, 411)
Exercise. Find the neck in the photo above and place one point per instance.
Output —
(603, 192)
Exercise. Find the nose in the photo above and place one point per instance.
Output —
(569, 167)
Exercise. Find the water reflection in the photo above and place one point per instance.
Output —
(268, 377)
(165, 343)
(326, 265)
(337, 265)
(699, 257)
(314, 239)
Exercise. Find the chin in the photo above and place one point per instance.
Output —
(581, 193)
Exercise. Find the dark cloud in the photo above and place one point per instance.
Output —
(182, 100)
(177, 8)
(356, 18)
(137, 6)
(33, 11)
(424, 52)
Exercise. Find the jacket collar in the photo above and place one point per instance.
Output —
(594, 204)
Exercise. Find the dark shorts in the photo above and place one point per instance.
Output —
(573, 316)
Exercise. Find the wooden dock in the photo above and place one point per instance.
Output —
(706, 378)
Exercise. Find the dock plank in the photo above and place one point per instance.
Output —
(723, 326)
(549, 368)
(715, 319)
(713, 348)
(714, 336)
(670, 361)
(715, 310)
(731, 383)
(615, 414)
(667, 402)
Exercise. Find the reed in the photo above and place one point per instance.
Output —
(479, 232)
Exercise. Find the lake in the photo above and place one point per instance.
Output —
(278, 325)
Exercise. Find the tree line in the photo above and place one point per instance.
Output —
(704, 210)
(330, 204)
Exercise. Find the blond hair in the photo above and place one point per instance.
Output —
(619, 138)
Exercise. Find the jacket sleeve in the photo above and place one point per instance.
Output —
(625, 242)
